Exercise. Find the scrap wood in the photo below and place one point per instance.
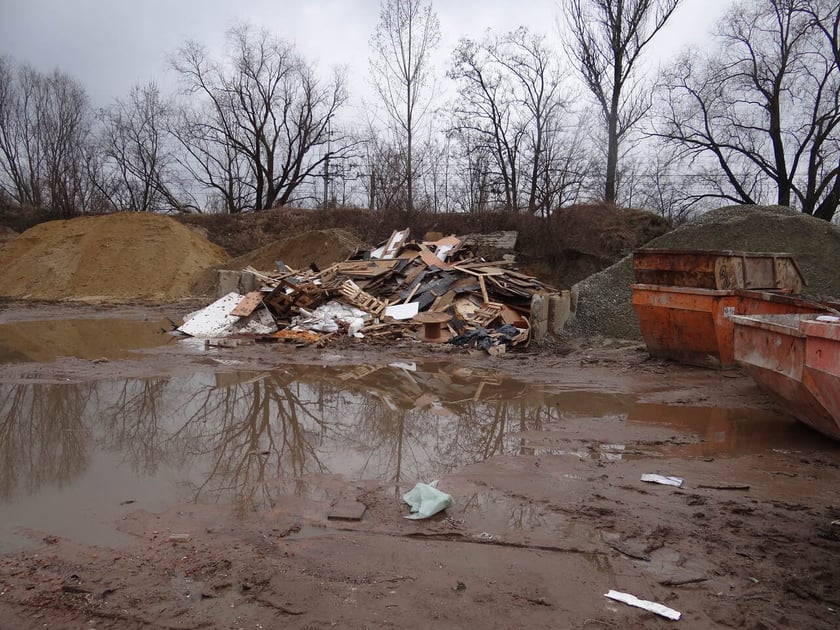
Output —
(472, 263)
(491, 271)
(301, 336)
(431, 259)
(483, 289)
(366, 268)
(364, 301)
(392, 246)
(248, 304)
(389, 330)
(445, 247)
(512, 316)
(485, 315)
(262, 276)
(287, 295)
(440, 276)
(443, 302)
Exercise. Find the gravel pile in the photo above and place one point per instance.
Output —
(604, 300)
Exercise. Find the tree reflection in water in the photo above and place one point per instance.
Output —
(43, 436)
(249, 437)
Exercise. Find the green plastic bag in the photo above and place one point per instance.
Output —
(426, 500)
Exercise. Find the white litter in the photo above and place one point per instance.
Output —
(426, 500)
(828, 318)
(663, 479)
(326, 318)
(260, 322)
(632, 600)
(214, 320)
(402, 311)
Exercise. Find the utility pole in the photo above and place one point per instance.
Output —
(327, 166)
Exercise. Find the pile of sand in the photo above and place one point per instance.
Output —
(605, 299)
(123, 256)
(321, 247)
(6, 234)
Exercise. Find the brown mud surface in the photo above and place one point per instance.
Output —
(536, 537)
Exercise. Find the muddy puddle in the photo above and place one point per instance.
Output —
(74, 457)
(46, 340)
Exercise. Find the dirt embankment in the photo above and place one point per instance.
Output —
(127, 256)
(319, 247)
(605, 299)
(574, 243)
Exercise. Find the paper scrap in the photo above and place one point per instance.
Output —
(828, 318)
(632, 600)
(663, 479)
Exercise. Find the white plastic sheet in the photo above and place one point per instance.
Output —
(426, 500)
(665, 480)
(632, 600)
(214, 320)
(326, 318)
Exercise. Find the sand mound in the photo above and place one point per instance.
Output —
(322, 247)
(605, 299)
(6, 234)
(113, 257)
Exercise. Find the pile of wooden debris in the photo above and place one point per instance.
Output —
(434, 291)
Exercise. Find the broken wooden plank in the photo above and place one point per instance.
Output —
(443, 302)
(393, 245)
(491, 271)
(431, 259)
(365, 301)
(366, 268)
(248, 304)
(483, 289)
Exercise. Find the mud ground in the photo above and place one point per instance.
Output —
(749, 541)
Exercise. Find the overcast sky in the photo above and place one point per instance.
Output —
(110, 45)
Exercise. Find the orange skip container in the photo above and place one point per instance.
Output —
(796, 360)
(692, 325)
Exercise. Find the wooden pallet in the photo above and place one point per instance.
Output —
(365, 301)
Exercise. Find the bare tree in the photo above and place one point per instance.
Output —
(470, 172)
(138, 161)
(761, 117)
(263, 125)
(605, 41)
(45, 125)
(406, 35)
(513, 102)
(539, 81)
(385, 167)
(486, 113)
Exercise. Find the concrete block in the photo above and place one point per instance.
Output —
(539, 317)
(559, 311)
(235, 282)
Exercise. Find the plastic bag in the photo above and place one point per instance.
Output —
(426, 500)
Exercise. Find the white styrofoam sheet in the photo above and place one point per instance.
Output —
(213, 320)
